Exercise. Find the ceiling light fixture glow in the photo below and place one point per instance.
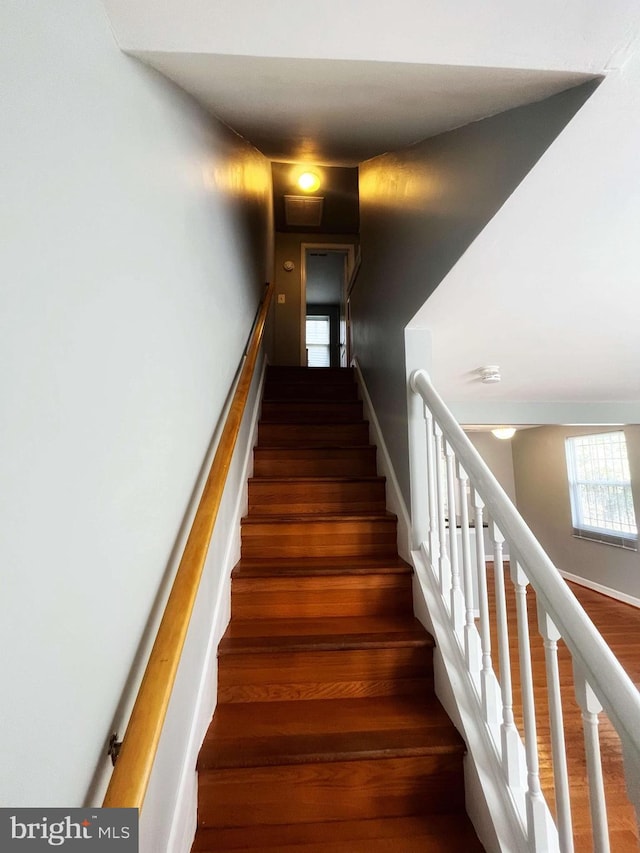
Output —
(504, 432)
(309, 182)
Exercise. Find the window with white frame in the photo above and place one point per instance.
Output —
(600, 489)
(318, 340)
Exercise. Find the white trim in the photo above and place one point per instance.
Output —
(184, 823)
(395, 500)
(604, 590)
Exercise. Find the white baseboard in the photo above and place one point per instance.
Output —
(598, 587)
(184, 822)
(395, 501)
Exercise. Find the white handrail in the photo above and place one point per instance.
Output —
(592, 657)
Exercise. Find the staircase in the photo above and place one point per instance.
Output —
(327, 735)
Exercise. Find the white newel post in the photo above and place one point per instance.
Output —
(550, 636)
(418, 470)
(510, 738)
(591, 708)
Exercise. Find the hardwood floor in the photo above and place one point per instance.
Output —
(327, 735)
(620, 626)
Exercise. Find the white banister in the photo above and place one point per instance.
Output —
(536, 807)
(434, 545)
(600, 681)
(487, 676)
(591, 708)
(550, 636)
(444, 567)
(509, 737)
(471, 636)
(418, 471)
(457, 600)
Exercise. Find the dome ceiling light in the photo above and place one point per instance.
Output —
(504, 432)
(309, 182)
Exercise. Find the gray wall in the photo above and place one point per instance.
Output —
(420, 208)
(136, 242)
(542, 494)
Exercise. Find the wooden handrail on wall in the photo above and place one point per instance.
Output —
(131, 774)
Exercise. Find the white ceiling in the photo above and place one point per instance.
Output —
(341, 112)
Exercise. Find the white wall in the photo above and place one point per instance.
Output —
(420, 209)
(136, 241)
(554, 278)
(575, 35)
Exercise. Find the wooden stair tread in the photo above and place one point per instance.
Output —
(310, 374)
(306, 478)
(320, 517)
(301, 447)
(326, 626)
(256, 734)
(351, 433)
(338, 746)
(434, 833)
(328, 424)
(317, 566)
(269, 637)
(311, 411)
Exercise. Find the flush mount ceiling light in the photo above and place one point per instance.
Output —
(309, 182)
(504, 432)
(489, 374)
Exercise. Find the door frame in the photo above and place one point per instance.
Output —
(350, 258)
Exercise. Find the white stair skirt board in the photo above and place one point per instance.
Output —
(395, 501)
(498, 813)
(185, 816)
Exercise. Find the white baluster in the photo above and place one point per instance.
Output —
(444, 569)
(550, 636)
(471, 637)
(434, 545)
(457, 599)
(418, 471)
(490, 696)
(510, 737)
(538, 823)
(591, 707)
